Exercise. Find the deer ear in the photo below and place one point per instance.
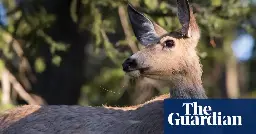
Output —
(142, 27)
(184, 13)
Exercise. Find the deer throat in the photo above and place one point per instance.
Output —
(188, 89)
(188, 93)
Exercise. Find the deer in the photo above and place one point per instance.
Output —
(168, 58)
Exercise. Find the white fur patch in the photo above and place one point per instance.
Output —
(135, 73)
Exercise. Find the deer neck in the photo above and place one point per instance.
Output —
(188, 93)
(188, 88)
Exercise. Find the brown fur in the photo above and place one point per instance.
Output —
(177, 67)
(31, 119)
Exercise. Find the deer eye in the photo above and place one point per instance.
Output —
(169, 44)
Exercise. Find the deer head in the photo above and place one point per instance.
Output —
(169, 57)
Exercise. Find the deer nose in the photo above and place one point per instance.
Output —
(129, 65)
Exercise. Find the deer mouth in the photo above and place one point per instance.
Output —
(137, 72)
(143, 70)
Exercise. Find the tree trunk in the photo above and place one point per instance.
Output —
(232, 85)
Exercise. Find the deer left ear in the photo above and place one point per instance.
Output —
(143, 28)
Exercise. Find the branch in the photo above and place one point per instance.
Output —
(6, 88)
(24, 65)
(126, 28)
(20, 90)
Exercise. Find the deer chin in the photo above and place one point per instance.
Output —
(134, 73)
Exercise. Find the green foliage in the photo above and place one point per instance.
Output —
(39, 65)
(151, 4)
(216, 3)
(56, 60)
(54, 46)
(218, 20)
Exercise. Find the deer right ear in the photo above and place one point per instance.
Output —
(184, 17)
(142, 27)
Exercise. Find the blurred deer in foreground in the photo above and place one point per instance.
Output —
(169, 59)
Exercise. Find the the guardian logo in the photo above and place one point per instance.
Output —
(196, 115)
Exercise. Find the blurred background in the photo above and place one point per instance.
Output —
(70, 51)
